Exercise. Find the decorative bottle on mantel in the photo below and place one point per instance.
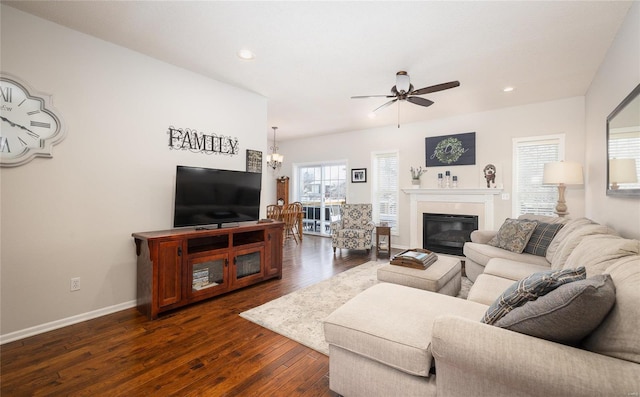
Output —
(440, 181)
(447, 179)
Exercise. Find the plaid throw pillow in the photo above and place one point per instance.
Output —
(541, 238)
(529, 289)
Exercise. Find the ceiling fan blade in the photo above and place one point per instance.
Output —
(385, 105)
(419, 101)
(436, 88)
(372, 96)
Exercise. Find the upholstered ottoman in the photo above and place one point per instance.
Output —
(443, 276)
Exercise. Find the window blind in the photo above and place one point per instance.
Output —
(530, 195)
(385, 188)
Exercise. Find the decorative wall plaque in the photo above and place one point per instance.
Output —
(446, 150)
(199, 142)
(254, 161)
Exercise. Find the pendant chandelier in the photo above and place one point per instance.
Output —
(274, 160)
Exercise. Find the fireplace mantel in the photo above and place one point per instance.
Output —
(483, 196)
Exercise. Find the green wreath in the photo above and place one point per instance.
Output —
(449, 150)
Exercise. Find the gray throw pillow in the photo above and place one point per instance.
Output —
(530, 288)
(541, 238)
(567, 314)
(514, 235)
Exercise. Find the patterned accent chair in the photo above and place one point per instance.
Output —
(354, 229)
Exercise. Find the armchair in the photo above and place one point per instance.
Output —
(354, 229)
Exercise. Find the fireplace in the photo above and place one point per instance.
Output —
(447, 233)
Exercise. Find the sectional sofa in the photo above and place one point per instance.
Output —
(580, 339)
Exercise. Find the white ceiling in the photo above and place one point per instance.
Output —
(311, 57)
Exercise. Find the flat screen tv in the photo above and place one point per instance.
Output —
(206, 196)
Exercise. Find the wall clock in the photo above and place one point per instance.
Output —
(30, 125)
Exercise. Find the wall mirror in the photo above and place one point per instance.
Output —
(623, 147)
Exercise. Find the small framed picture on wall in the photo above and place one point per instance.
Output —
(254, 161)
(358, 175)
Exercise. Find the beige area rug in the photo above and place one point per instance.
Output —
(299, 315)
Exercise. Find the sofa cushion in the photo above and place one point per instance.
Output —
(596, 253)
(541, 238)
(513, 270)
(569, 227)
(514, 235)
(565, 315)
(487, 288)
(569, 244)
(619, 334)
(483, 253)
(530, 288)
(392, 324)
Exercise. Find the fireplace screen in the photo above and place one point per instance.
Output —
(447, 233)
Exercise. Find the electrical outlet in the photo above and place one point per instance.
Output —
(505, 196)
(75, 284)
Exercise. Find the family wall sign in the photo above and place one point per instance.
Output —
(199, 142)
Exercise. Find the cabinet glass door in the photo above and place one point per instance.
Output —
(248, 266)
(208, 274)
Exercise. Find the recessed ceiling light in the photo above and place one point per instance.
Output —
(372, 115)
(246, 55)
(508, 89)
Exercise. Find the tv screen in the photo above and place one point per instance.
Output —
(206, 196)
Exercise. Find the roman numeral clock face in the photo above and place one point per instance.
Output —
(29, 125)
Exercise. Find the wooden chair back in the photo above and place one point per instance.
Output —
(274, 212)
(290, 219)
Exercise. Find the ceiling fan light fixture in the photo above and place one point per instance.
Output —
(402, 82)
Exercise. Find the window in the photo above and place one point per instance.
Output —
(530, 196)
(321, 188)
(385, 188)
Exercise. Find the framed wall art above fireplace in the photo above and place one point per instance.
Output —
(448, 150)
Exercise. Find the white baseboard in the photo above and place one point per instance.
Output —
(42, 328)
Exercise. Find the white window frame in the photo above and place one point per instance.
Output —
(532, 141)
(375, 188)
(295, 182)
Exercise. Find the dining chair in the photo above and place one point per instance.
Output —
(274, 212)
(290, 218)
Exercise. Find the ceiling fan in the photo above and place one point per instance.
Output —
(403, 91)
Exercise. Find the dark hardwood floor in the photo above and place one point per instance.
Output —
(205, 349)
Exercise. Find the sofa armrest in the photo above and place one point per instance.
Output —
(482, 236)
(478, 359)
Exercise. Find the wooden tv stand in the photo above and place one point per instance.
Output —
(181, 266)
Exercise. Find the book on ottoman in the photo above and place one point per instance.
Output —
(415, 258)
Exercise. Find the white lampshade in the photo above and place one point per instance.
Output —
(566, 172)
(623, 171)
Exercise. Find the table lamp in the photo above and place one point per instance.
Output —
(622, 171)
(562, 173)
